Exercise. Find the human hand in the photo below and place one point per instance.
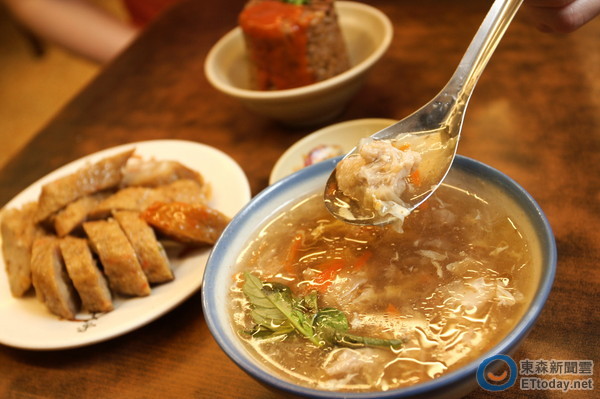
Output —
(561, 16)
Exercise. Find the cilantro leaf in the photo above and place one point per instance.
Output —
(297, 2)
(357, 341)
(273, 308)
(276, 311)
(328, 322)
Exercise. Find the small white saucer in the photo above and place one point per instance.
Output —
(344, 134)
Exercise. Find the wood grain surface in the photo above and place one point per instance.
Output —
(535, 115)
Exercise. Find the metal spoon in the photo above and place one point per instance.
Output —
(434, 129)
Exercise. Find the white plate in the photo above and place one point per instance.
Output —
(25, 322)
(344, 134)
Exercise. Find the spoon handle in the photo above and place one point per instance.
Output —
(446, 110)
(461, 85)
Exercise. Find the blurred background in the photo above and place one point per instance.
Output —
(36, 80)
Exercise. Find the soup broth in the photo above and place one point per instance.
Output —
(449, 287)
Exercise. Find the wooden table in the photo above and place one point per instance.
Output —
(535, 115)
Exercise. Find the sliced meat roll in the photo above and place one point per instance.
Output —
(150, 252)
(130, 199)
(73, 215)
(195, 224)
(120, 262)
(140, 198)
(85, 275)
(153, 173)
(104, 174)
(185, 190)
(49, 276)
(18, 233)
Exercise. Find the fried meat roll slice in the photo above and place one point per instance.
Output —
(150, 252)
(50, 279)
(140, 198)
(153, 173)
(18, 233)
(74, 214)
(104, 174)
(195, 224)
(130, 199)
(120, 262)
(88, 280)
(186, 190)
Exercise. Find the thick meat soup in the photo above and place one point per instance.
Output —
(368, 308)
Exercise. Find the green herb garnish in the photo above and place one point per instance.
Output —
(276, 311)
(296, 2)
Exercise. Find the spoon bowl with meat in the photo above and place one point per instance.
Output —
(391, 173)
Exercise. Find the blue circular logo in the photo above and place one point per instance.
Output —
(497, 373)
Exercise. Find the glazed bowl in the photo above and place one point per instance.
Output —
(367, 32)
(221, 267)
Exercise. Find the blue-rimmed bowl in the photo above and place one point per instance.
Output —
(222, 262)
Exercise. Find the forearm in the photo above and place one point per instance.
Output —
(76, 25)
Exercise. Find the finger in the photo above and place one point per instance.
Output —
(548, 3)
(567, 18)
